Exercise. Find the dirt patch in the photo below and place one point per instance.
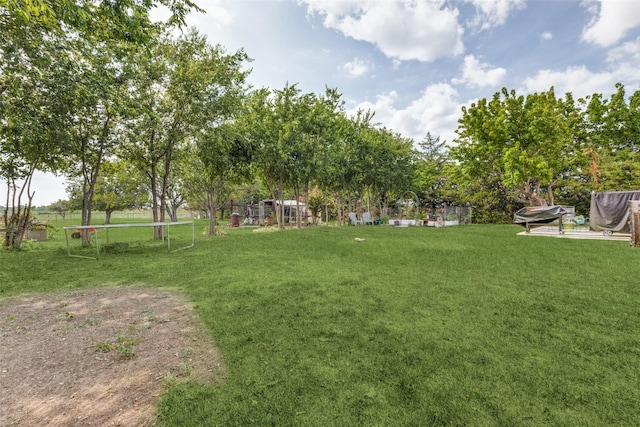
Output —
(98, 357)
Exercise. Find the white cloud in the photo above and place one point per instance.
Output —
(610, 21)
(622, 62)
(625, 60)
(383, 108)
(627, 52)
(333, 10)
(216, 15)
(476, 74)
(580, 81)
(437, 111)
(356, 68)
(547, 35)
(406, 30)
(491, 13)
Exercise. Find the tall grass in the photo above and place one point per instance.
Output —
(414, 326)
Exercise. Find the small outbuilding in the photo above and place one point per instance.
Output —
(292, 210)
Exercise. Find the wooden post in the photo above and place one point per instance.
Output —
(634, 209)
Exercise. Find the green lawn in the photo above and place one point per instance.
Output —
(468, 325)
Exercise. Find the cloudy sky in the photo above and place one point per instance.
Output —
(416, 62)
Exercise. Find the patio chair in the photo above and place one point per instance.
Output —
(366, 219)
(354, 219)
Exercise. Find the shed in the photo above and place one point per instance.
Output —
(292, 209)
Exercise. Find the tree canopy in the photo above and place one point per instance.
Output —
(94, 89)
(540, 149)
(59, 64)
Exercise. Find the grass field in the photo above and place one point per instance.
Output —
(468, 325)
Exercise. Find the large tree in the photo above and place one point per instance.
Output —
(430, 177)
(384, 167)
(33, 131)
(221, 161)
(37, 48)
(335, 158)
(526, 143)
(613, 132)
(268, 132)
(122, 19)
(96, 108)
(184, 86)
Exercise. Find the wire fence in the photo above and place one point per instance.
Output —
(443, 216)
(118, 215)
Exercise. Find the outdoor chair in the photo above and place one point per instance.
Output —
(354, 219)
(366, 219)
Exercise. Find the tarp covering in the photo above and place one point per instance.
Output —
(538, 215)
(610, 211)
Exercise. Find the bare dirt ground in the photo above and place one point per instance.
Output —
(98, 357)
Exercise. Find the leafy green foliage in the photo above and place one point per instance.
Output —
(123, 342)
(527, 143)
(59, 87)
(541, 149)
(119, 187)
(185, 91)
(431, 172)
(124, 20)
(614, 129)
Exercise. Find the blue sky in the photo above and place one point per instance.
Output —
(416, 63)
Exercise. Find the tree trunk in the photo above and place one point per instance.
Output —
(280, 209)
(88, 186)
(87, 200)
(308, 207)
(157, 233)
(172, 211)
(90, 173)
(536, 200)
(165, 185)
(550, 194)
(298, 213)
(212, 208)
(17, 223)
(326, 209)
(107, 216)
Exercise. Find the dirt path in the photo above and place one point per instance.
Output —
(98, 357)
